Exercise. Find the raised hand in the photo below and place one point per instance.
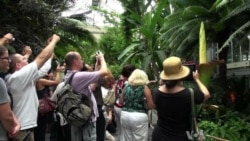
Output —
(27, 50)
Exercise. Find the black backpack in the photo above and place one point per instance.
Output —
(76, 108)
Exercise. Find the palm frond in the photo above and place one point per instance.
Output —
(73, 28)
(171, 20)
(125, 60)
(219, 4)
(128, 49)
(157, 14)
(239, 31)
(166, 33)
(237, 11)
(194, 12)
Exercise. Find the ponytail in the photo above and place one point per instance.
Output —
(170, 83)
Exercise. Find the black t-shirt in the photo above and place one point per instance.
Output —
(98, 93)
(174, 110)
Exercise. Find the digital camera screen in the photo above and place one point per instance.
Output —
(190, 75)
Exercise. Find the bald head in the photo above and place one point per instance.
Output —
(73, 61)
(17, 62)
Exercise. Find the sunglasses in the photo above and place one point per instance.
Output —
(5, 58)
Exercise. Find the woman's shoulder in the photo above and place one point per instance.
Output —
(162, 90)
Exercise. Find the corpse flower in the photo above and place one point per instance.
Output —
(206, 69)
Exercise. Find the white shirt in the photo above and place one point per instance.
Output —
(22, 85)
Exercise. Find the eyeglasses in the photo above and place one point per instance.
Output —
(6, 58)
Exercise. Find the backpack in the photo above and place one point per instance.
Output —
(76, 108)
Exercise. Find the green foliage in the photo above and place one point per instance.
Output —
(128, 18)
(232, 126)
(145, 46)
(116, 70)
(74, 37)
(239, 87)
(177, 31)
(230, 121)
(33, 21)
(110, 17)
(111, 43)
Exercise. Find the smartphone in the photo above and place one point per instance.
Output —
(98, 52)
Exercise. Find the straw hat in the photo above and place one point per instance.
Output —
(173, 69)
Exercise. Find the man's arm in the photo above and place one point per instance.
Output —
(45, 68)
(6, 117)
(16, 128)
(47, 52)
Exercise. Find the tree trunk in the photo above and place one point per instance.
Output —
(222, 78)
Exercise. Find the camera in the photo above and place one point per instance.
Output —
(192, 67)
(98, 52)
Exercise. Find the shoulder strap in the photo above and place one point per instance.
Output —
(68, 81)
(194, 126)
(192, 102)
(11, 100)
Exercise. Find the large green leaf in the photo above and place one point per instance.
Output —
(157, 15)
(146, 62)
(128, 50)
(125, 59)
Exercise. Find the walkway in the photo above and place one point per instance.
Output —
(116, 136)
(149, 135)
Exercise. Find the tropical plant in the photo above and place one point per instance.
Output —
(232, 126)
(225, 20)
(241, 93)
(34, 21)
(74, 37)
(30, 21)
(145, 46)
(111, 43)
(131, 6)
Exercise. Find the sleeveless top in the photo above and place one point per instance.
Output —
(134, 99)
(42, 93)
(120, 84)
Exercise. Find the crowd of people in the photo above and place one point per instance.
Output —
(23, 83)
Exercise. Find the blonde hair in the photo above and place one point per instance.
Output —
(138, 77)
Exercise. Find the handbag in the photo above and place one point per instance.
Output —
(108, 97)
(152, 114)
(197, 135)
(46, 105)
